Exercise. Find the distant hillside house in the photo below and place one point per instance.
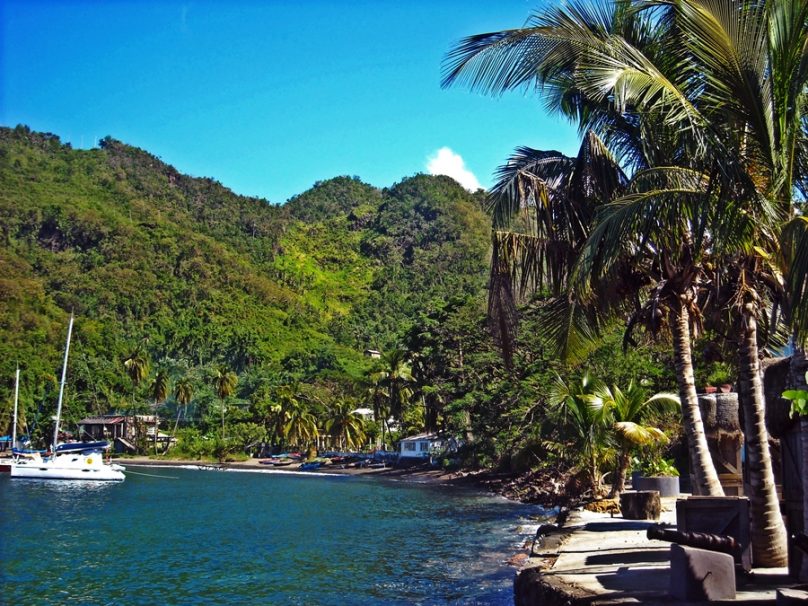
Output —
(373, 353)
(421, 446)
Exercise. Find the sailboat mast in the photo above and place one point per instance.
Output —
(16, 400)
(62, 385)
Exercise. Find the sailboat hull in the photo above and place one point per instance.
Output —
(81, 466)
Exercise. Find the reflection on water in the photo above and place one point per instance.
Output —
(230, 538)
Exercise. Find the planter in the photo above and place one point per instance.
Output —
(667, 486)
(726, 388)
(710, 389)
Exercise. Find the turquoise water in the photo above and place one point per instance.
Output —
(212, 537)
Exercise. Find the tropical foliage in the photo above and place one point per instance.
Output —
(702, 102)
(243, 324)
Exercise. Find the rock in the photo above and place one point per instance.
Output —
(517, 559)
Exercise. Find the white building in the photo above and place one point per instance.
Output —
(421, 446)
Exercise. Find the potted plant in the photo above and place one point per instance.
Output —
(701, 377)
(659, 474)
(723, 375)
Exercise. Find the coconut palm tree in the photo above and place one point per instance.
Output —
(375, 393)
(581, 409)
(159, 393)
(729, 75)
(183, 394)
(300, 426)
(543, 206)
(395, 375)
(756, 96)
(565, 51)
(137, 369)
(629, 411)
(224, 383)
(344, 425)
(746, 98)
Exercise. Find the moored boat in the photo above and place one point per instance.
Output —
(67, 461)
(71, 461)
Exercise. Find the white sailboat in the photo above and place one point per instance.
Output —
(68, 461)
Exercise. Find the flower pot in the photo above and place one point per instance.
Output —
(668, 486)
(726, 388)
(709, 389)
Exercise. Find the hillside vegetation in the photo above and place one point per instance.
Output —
(195, 277)
(241, 322)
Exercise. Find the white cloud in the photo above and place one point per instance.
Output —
(446, 162)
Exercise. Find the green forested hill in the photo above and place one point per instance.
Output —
(197, 276)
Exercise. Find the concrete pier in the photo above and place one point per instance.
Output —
(602, 559)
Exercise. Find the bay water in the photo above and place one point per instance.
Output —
(217, 537)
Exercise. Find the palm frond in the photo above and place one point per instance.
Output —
(794, 246)
(640, 435)
(571, 329)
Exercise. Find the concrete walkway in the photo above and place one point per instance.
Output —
(600, 559)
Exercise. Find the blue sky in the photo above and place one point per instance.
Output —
(268, 97)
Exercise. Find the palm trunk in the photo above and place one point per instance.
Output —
(174, 432)
(769, 543)
(222, 420)
(156, 427)
(623, 462)
(176, 423)
(706, 478)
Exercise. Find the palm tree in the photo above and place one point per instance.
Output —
(374, 391)
(300, 426)
(395, 375)
(137, 369)
(224, 383)
(582, 410)
(543, 206)
(729, 76)
(630, 410)
(748, 111)
(159, 392)
(183, 394)
(756, 97)
(346, 426)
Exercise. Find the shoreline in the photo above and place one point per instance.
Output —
(547, 489)
(543, 490)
